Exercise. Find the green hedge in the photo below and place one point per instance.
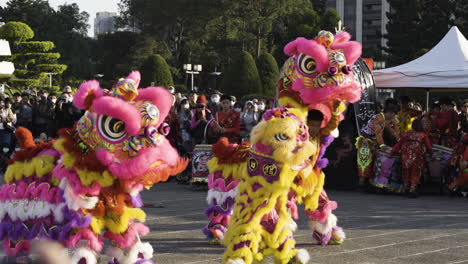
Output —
(24, 83)
(42, 57)
(36, 46)
(55, 68)
(16, 32)
(269, 73)
(242, 76)
(155, 69)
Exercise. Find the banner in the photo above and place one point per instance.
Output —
(365, 109)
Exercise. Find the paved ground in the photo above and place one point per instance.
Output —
(380, 228)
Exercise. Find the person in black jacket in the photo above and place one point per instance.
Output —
(66, 114)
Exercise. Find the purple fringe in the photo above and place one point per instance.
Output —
(224, 209)
(325, 141)
(136, 201)
(322, 239)
(54, 231)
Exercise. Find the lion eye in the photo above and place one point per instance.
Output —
(111, 129)
(281, 137)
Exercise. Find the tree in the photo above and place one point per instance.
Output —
(155, 69)
(67, 27)
(31, 58)
(319, 6)
(269, 73)
(306, 23)
(242, 76)
(403, 32)
(330, 20)
(461, 16)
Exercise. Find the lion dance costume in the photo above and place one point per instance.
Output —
(318, 73)
(85, 186)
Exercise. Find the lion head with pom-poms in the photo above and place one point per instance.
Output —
(125, 128)
(319, 71)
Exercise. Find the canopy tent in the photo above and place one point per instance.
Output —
(444, 66)
(6, 68)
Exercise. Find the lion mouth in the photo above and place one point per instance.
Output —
(301, 166)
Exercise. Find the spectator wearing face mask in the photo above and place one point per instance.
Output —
(215, 102)
(43, 114)
(65, 112)
(261, 108)
(249, 118)
(228, 121)
(233, 101)
(185, 117)
(7, 119)
(24, 112)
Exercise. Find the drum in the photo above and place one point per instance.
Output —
(438, 167)
(200, 156)
(387, 170)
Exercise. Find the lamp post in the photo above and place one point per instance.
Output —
(50, 77)
(215, 74)
(197, 68)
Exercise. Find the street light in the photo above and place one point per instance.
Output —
(196, 70)
(50, 77)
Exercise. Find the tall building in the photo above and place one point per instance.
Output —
(365, 20)
(104, 23)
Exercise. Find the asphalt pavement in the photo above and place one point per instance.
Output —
(380, 228)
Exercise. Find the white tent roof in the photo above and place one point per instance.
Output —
(444, 66)
(6, 68)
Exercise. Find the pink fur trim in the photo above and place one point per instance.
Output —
(32, 191)
(262, 148)
(119, 109)
(139, 165)
(93, 241)
(61, 172)
(351, 49)
(85, 89)
(129, 238)
(136, 76)
(51, 152)
(341, 37)
(160, 97)
(24, 246)
(220, 183)
(322, 214)
(311, 48)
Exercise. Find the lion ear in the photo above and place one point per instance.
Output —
(88, 91)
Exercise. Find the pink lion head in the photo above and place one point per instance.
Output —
(319, 71)
(125, 126)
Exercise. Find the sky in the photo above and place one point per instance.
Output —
(90, 6)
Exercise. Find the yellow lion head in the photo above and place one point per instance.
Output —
(283, 135)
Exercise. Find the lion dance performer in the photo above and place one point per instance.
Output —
(261, 224)
(85, 186)
(317, 77)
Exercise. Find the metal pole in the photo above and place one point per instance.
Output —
(192, 80)
(50, 80)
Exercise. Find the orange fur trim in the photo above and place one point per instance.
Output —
(25, 137)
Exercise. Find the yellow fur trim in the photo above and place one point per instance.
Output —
(38, 166)
(116, 223)
(288, 101)
(104, 179)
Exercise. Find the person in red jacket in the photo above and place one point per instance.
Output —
(447, 123)
(412, 146)
(461, 161)
(228, 121)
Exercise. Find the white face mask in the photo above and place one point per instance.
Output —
(233, 103)
(215, 99)
(53, 100)
(5, 150)
(186, 106)
(238, 110)
(261, 107)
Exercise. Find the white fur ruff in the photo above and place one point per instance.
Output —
(335, 133)
(24, 209)
(292, 225)
(132, 255)
(219, 197)
(85, 253)
(74, 201)
(325, 227)
(303, 256)
(235, 261)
